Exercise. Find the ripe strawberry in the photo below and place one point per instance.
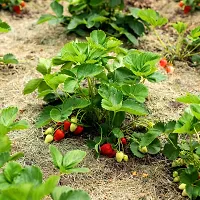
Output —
(48, 139)
(163, 62)
(58, 135)
(73, 127)
(22, 4)
(106, 149)
(17, 9)
(169, 69)
(187, 9)
(123, 140)
(66, 125)
(78, 130)
(113, 154)
(181, 4)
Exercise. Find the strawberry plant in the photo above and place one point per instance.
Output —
(18, 182)
(107, 15)
(183, 146)
(187, 45)
(12, 5)
(189, 5)
(8, 58)
(96, 84)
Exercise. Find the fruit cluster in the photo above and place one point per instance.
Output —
(62, 129)
(186, 8)
(15, 8)
(107, 150)
(167, 66)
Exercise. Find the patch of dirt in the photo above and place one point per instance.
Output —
(107, 179)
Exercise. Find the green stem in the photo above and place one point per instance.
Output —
(160, 40)
(179, 45)
(189, 53)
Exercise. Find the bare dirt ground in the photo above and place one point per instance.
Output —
(107, 179)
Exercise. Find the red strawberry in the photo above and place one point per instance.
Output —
(124, 141)
(66, 125)
(163, 62)
(113, 154)
(17, 9)
(169, 69)
(78, 130)
(187, 9)
(22, 4)
(181, 4)
(106, 149)
(58, 135)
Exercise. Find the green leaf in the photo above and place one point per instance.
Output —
(29, 174)
(118, 133)
(16, 192)
(132, 38)
(16, 156)
(91, 21)
(12, 170)
(137, 27)
(73, 158)
(112, 98)
(156, 77)
(10, 59)
(44, 66)
(139, 91)
(133, 107)
(171, 149)
(57, 8)
(119, 118)
(75, 195)
(193, 191)
(98, 37)
(88, 70)
(70, 84)
(44, 117)
(195, 108)
(5, 143)
(46, 188)
(134, 149)
(56, 156)
(4, 27)
(189, 175)
(45, 18)
(189, 98)
(152, 17)
(76, 103)
(75, 22)
(77, 170)
(58, 191)
(154, 147)
(59, 115)
(20, 125)
(54, 80)
(32, 85)
(8, 115)
(3, 183)
(180, 27)
(149, 137)
(4, 157)
(134, 11)
(141, 63)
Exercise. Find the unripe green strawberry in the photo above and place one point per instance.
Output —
(175, 174)
(143, 149)
(182, 186)
(125, 158)
(74, 119)
(176, 179)
(48, 139)
(73, 127)
(49, 131)
(184, 193)
(119, 156)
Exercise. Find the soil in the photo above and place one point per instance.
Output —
(107, 179)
